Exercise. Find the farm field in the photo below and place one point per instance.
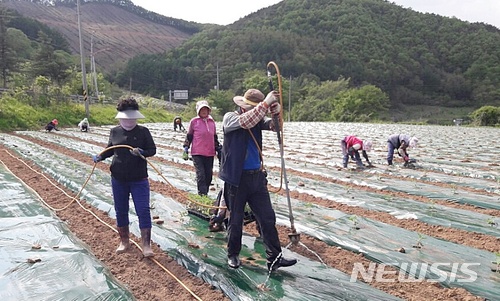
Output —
(437, 223)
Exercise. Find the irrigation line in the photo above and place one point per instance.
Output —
(74, 199)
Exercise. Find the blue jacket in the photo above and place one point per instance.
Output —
(234, 152)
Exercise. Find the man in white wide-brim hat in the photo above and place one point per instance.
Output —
(129, 173)
(244, 177)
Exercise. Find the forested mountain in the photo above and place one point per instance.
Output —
(117, 29)
(416, 58)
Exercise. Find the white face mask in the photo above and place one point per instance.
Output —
(128, 124)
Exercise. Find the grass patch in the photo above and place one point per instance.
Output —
(16, 115)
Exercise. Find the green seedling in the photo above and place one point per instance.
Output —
(419, 244)
(432, 206)
(491, 222)
(415, 182)
(309, 206)
(203, 200)
(354, 221)
(496, 268)
(274, 200)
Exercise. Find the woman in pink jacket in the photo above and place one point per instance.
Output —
(351, 146)
(202, 138)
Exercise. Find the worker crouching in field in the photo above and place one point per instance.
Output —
(351, 145)
(178, 124)
(400, 142)
(52, 126)
(84, 125)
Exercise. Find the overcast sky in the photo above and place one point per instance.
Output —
(225, 12)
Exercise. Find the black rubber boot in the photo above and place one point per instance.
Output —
(233, 261)
(280, 262)
(124, 240)
(146, 242)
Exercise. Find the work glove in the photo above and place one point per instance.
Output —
(271, 98)
(137, 151)
(185, 154)
(218, 150)
(96, 158)
(275, 109)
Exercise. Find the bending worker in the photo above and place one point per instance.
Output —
(400, 142)
(350, 148)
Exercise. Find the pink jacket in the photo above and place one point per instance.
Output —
(351, 140)
(203, 133)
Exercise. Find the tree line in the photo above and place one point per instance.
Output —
(414, 58)
(349, 60)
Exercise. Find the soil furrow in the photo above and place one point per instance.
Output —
(335, 257)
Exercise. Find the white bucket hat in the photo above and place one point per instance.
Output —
(367, 145)
(202, 104)
(413, 142)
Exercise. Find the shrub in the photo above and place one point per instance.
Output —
(486, 116)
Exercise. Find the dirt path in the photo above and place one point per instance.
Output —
(138, 274)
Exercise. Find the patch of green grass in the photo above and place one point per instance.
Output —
(425, 114)
(16, 115)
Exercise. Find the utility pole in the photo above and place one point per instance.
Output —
(217, 77)
(217, 84)
(92, 66)
(82, 58)
(290, 99)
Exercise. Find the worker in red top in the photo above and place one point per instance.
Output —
(351, 145)
(52, 125)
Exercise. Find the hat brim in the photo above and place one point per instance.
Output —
(240, 101)
(129, 114)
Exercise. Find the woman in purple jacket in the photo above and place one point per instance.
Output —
(202, 138)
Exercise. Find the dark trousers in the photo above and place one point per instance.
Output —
(204, 169)
(346, 154)
(252, 190)
(140, 195)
